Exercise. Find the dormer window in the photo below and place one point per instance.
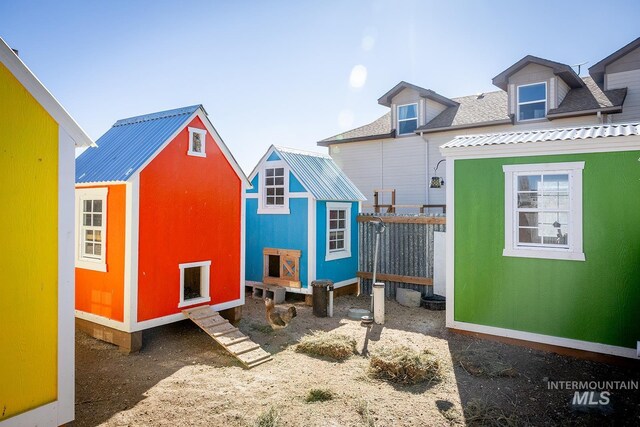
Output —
(532, 101)
(197, 142)
(407, 119)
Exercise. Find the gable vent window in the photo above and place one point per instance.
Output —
(532, 101)
(274, 186)
(407, 119)
(197, 142)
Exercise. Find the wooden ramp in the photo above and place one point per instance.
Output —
(228, 336)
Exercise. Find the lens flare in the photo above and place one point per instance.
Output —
(358, 76)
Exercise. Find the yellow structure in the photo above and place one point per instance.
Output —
(37, 140)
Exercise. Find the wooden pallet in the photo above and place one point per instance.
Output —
(228, 336)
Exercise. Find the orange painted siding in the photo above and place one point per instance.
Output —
(190, 210)
(102, 293)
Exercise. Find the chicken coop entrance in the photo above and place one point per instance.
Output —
(282, 267)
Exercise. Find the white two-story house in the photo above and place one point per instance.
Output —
(400, 150)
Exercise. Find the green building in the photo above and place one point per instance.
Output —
(543, 236)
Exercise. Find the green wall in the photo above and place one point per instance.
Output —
(596, 300)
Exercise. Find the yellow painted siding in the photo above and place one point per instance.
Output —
(28, 250)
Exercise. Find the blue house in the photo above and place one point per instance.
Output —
(301, 221)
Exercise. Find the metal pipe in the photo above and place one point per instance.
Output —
(331, 301)
(378, 309)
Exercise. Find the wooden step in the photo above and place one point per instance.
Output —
(242, 347)
(228, 336)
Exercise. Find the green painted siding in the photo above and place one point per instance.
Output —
(596, 300)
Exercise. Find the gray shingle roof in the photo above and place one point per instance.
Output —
(378, 129)
(590, 97)
(487, 109)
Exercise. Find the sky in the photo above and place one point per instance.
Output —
(291, 73)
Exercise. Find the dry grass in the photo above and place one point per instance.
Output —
(480, 413)
(319, 395)
(483, 364)
(269, 418)
(333, 346)
(365, 413)
(405, 366)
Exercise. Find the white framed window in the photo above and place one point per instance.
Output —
(543, 211)
(91, 228)
(197, 139)
(194, 283)
(338, 231)
(532, 101)
(273, 190)
(407, 119)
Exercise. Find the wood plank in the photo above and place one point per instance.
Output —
(219, 330)
(396, 278)
(211, 322)
(242, 347)
(231, 338)
(254, 356)
(405, 219)
(200, 312)
(281, 282)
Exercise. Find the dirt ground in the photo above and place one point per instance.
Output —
(181, 377)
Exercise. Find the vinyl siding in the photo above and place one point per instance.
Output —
(562, 90)
(433, 109)
(631, 61)
(631, 107)
(532, 73)
(362, 162)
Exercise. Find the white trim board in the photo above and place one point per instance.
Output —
(346, 251)
(546, 148)
(547, 339)
(35, 87)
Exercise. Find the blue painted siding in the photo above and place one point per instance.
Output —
(294, 185)
(339, 269)
(254, 183)
(276, 231)
(273, 157)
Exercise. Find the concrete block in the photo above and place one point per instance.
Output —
(408, 297)
(276, 294)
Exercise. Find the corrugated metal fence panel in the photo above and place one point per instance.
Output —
(405, 249)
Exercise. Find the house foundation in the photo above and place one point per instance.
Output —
(127, 342)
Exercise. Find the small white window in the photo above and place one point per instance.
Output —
(338, 231)
(91, 245)
(407, 119)
(273, 190)
(274, 186)
(532, 101)
(194, 283)
(543, 210)
(197, 139)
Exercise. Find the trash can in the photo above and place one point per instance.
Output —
(321, 297)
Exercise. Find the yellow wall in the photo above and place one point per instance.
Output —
(28, 250)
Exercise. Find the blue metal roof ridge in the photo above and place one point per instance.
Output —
(158, 115)
(320, 175)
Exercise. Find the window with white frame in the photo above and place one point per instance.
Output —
(92, 228)
(407, 119)
(197, 142)
(338, 231)
(532, 101)
(543, 210)
(194, 283)
(274, 185)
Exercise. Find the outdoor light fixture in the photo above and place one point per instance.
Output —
(436, 181)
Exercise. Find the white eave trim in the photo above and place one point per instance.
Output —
(594, 145)
(35, 87)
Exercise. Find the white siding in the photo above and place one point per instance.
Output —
(433, 109)
(563, 89)
(401, 163)
(631, 106)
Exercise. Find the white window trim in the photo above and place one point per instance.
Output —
(91, 194)
(346, 252)
(398, 120)
(205, 274)
(518, 103)
(203, 137)
(263, 208)
(575, 250)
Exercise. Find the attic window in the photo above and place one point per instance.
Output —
(407, 119)
(532, 101)
(197, 142)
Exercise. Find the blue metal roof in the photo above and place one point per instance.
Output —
(129, 143)
(320, 175)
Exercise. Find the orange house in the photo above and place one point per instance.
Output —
(159, 225)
